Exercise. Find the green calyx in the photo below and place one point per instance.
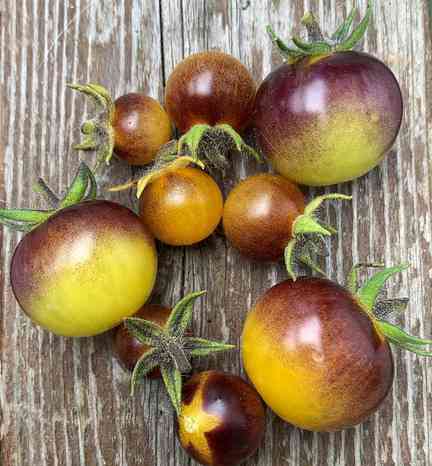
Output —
(83, 188)
(170, 349)
(210, 144)
(380, 310)
(98, 133)
(308, 236)
(346, 37)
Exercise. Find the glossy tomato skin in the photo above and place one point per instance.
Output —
(222, 420)
(182, 207)
(315, 356)
(85, 269)
(212, 88)
(128, 348)
(259, 213)
(328, 119)
(141, 127)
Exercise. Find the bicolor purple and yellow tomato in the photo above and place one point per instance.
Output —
(84, 269)
(328, 119)
(222, 419)
(315, 355)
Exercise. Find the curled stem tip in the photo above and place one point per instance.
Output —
(83, 188)
(346, 37)
(308, 234)
(381, 310)
(98, 132)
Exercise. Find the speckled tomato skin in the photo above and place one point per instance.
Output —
(329, 119)
(222, 420)
(210, 88)
(129, 349)
(84, 269)
(259, 213)
(141, 127)
(182, 207)
(315, 356)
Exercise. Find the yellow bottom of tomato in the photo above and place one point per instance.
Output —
(295, 392)
(91, 294)
(335, 150)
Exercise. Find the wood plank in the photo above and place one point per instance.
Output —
(65, 402)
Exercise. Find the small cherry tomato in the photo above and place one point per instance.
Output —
(210, 88)
(134, 126)
(182, 207)
(128, 348)
(222, 419)
(259, 214)
(265, 218)
(141, 127)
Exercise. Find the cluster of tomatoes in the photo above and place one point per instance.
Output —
(317, 353)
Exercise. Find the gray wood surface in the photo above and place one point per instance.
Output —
(65, 401)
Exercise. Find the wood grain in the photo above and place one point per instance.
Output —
(64, 401)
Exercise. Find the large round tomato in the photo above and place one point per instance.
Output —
(315, 355)
(84, 269)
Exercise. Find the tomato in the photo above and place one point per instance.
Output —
(182, 207)
(212, 88)
(84, 269)
(134, 126)
(327, 116)
(222, 419)
(84, 264)
(259, 214)
(318, 353)
(128, 348)
(265, 218)
(141, 127)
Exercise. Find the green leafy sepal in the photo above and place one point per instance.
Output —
(171, 350)
(308, 234)
(346, 37)
(82, 188)
(381, 310)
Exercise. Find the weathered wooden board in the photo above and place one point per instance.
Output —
(64, 401)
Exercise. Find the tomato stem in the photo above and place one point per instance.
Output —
(48, 194)
(98, 132)
(308, 235)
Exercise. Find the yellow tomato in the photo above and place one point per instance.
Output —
(182, 207)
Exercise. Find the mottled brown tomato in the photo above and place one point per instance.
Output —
(141, 127)
(134, 127)
(182, 207)
(210, 88)
(222, 419)
(259, 214)
(128, 348)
